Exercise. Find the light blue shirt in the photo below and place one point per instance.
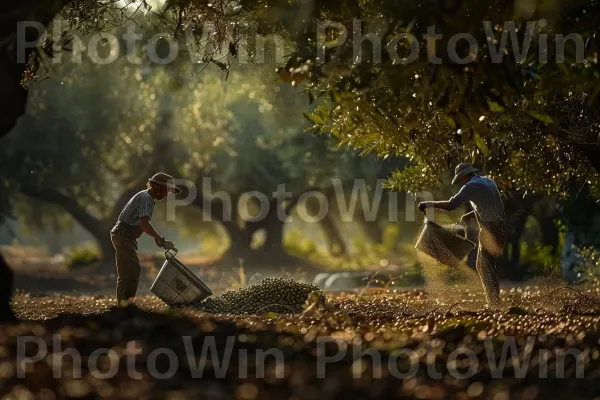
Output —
(483, 195)
(140, 205)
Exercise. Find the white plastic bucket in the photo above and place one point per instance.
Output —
(175, 284)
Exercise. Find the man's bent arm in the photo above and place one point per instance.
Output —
(149, 229)
(442, 205)
(465, 194)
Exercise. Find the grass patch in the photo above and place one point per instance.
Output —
(81, 256)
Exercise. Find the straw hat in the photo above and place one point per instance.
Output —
(463, 169)
(163, 179)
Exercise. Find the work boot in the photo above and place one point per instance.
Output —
(126, 291)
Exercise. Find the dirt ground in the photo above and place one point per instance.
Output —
(413, 346)
(44, 278)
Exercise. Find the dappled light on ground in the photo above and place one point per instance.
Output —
(376, 321)
(545, 307)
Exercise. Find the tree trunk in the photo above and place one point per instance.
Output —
(13, 96)
(98, 228)
(372, 230)
(548, 231)
(569, 258)
(335, 241)
(239, 242)
(518, 210)
(270, 256)
(241, 238)
(273, 227)
(6, 289)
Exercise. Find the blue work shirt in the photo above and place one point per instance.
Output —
(483, 195)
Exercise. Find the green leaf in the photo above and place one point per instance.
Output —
(270, 315)
(335, 96)
(463, 121)
(494, 106)
(222, 66)
(563, 68)
(450, 121)
(465, 135)
(482, 129)
(314, 118)
(480, 143)
(540, 116)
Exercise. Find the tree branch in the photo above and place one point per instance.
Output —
(94, 225)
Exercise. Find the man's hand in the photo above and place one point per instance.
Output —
(442, 205)
(165, 244)
(160, 241)
(168, 245)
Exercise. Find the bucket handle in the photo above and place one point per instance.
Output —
(170, 254)
(428, 214)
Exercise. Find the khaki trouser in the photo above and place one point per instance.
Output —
(492, 236)
(128, 266)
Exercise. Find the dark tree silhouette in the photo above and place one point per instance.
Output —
(13, 96)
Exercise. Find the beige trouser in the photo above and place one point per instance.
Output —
(491, 242)
(128, 266)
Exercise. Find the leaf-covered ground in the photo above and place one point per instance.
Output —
(438, 333)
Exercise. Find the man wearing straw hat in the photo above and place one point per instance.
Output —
(133, 221)
(488, 211)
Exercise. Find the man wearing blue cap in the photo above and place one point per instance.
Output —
(484, 197)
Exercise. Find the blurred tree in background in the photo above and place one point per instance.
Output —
(96, 143)
(246, 135)
(74, 149)
(531, 124)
